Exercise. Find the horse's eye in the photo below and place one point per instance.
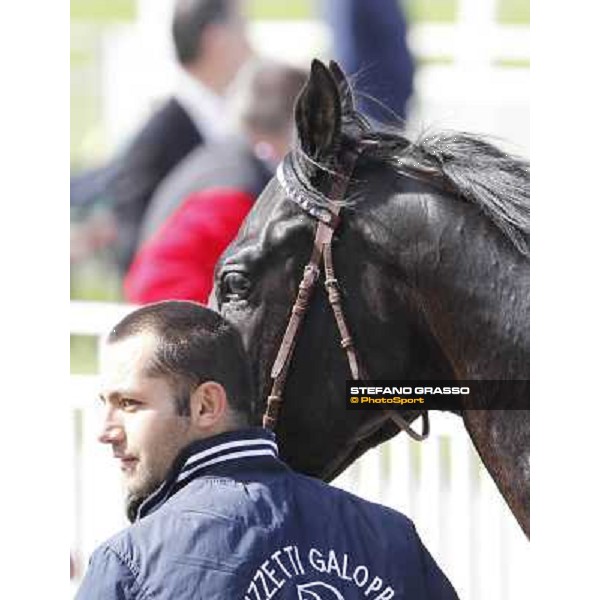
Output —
(234, 286)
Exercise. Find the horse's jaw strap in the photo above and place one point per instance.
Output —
(404, 425)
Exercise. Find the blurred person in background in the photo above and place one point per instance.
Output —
(211, 46)
(92, 225)
(215, 513)
(198, 209)
(369, 42)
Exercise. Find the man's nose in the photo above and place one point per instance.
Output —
(112, 431)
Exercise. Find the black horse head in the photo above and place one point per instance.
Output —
(420, 226)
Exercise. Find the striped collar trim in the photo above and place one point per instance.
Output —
(199, 457)
(227, 451)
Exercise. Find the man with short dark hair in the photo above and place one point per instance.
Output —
(170, 354)
(216, 514)
(211, 46)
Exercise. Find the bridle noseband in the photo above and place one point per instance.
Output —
(326, 210)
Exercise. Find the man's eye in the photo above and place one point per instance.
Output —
(128, 403)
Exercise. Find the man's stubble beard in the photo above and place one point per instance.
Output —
(153, 473)
(135, 496)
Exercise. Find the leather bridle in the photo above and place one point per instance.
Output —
(326, 210)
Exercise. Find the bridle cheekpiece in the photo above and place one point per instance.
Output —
(326, 210)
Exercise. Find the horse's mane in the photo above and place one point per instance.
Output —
(470, 167)
(465, 165)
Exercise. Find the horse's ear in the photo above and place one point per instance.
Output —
(318, 112)
(346, 97)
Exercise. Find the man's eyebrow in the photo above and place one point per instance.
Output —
(111, 396)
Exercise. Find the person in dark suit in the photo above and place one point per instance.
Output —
(211, 46)
(369, 41)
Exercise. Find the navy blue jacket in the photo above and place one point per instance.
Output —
(232, 522)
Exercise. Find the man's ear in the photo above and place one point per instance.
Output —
(318, 112)
(209, 406)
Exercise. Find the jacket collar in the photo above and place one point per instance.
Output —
(207, 109)
(210, 456)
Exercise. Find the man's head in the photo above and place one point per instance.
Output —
(210, 40)
(172, 372)
(266, 107)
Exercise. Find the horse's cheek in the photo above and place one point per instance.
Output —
(238, 314)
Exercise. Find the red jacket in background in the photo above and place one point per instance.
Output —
(178, 262)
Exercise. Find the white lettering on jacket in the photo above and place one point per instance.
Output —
(286, 565)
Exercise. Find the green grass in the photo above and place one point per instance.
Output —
(82, 58)
(84, 355)
(430, 11)
(104, 11)
(436, 11)
(513, 12)
(95, 282)
(276, 9)
(423, 61)
(513, 63)
(85, 123)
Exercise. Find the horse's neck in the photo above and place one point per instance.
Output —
(482, 332)
(472, 290)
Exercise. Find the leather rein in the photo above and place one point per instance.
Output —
(326, 210)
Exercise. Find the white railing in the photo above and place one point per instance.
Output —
(440, 484)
